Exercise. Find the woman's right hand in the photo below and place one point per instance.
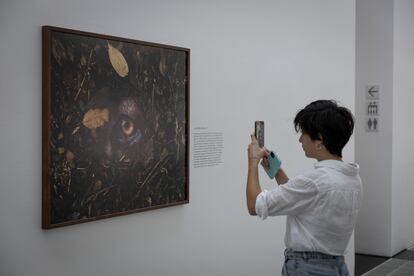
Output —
(256, 153)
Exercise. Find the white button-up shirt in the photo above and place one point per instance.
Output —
(321, 207)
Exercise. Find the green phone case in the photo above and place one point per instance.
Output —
(274, 165)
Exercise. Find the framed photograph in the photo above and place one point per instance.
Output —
(115, 126)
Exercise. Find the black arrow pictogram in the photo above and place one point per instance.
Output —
(372, 90)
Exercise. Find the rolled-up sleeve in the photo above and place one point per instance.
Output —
(261, 206)
(291, 198)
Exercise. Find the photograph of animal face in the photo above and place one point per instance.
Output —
(115, 126)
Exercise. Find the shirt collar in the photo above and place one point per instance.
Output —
(346, 168)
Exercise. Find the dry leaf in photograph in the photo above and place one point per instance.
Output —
(98, 186)
(70, 156)
(118, 61)
(95, 118)
(163, 65)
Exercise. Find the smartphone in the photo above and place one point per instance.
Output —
(274, 164)
(259, 132)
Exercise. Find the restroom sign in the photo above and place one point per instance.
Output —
(372, 124)
(372, 108)
(372, 105)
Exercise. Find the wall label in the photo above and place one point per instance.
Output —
(208, 147)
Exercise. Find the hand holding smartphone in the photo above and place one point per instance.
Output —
(271, 163)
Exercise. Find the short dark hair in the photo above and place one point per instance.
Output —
(326, 121)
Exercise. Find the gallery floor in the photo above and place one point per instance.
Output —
(401, 264)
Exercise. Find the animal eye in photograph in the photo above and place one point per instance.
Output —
(127, 127)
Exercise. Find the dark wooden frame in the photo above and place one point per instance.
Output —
(48, 151)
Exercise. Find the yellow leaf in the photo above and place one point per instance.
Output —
(70, 156)
(118, 61)
(95, 118)
(163, 65)
(98, 185)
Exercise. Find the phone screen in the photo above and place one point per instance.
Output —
(259, 132)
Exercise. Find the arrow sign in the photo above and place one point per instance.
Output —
(372, 92)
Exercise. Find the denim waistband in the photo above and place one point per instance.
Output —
(289, 253)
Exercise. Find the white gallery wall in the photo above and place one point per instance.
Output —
(373, 150)
(403, 127)
(385, 39)
(250, 60)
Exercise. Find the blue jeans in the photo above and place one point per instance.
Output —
(313, 263)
